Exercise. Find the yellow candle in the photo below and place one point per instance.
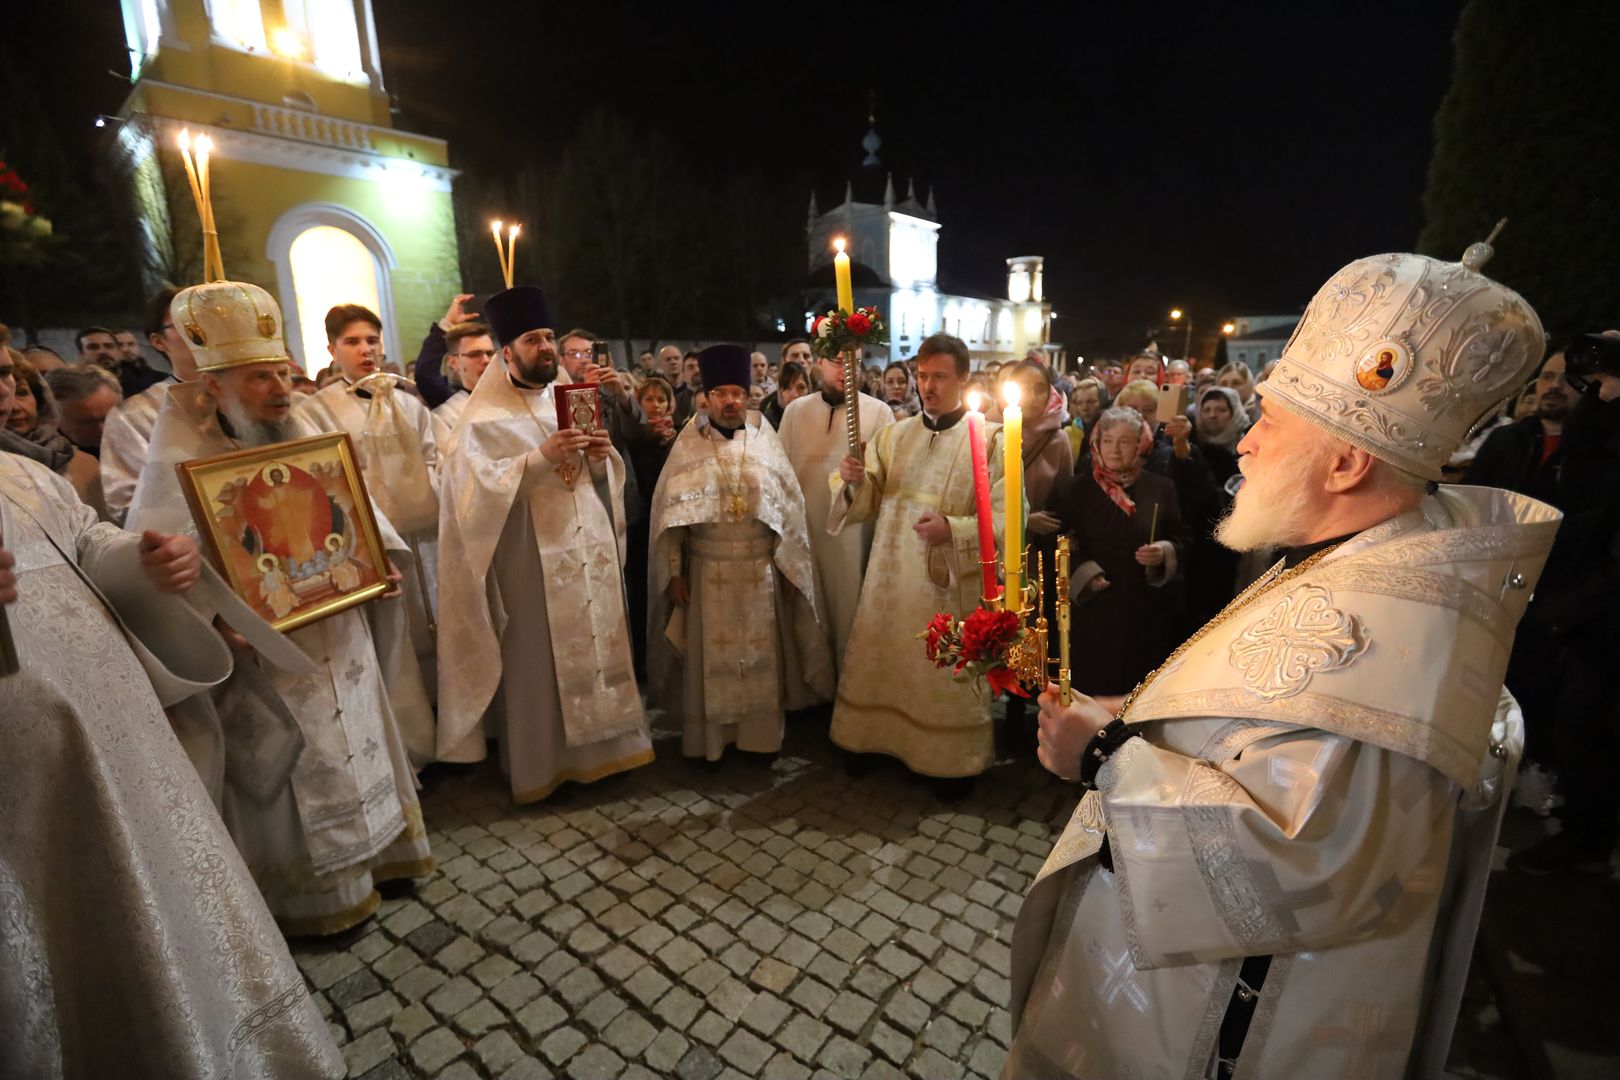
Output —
(1012, 448)
(511, 253)
(846, 290)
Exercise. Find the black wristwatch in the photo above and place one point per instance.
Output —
(1100, 749)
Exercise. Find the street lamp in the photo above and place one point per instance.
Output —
(1228, 328)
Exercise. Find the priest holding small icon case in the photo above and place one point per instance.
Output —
(534, 647)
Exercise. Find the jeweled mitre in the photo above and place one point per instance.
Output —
(229, 323)
(1403, 355)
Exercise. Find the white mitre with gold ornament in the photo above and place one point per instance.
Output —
(229, 324)
(1403, 355)
(1400, 636)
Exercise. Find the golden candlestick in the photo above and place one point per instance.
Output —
(1065, 695)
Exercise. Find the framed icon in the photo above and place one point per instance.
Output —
(290, 527)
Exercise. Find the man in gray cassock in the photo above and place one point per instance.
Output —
(734, 636)
(534, 647)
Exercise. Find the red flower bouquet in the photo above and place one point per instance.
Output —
(976, 647)
(833, 334)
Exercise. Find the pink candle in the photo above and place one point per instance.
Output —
(981, 498)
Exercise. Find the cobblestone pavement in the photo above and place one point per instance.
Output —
(755, 921)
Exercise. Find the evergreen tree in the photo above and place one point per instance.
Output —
(1527, 132)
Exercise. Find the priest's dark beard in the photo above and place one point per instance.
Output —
(537, 372)
(253, 433)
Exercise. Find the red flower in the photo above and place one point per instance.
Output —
(815, 327)
(986, 634)
(940, 627)
(1002, 678)
(858, 323)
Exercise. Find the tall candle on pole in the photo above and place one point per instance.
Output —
(1012, 430)
(981, 498)
(846, 289)
(852, 356)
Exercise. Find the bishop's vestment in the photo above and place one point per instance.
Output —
(346, 816)
(533, 636)
(812, 435)
(891, 698)
(1310, 806)
(134, 941)
(728, 516)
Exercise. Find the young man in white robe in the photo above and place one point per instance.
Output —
(1277, 866)
(731, 564)
(813, 436)
(135, 943)
(129, 426)
(916, 483)
(394, 442)
(534, 648)
(469, 349)
(324, 831)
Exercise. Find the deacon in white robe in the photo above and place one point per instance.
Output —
(730, 562)
(469, 349)
(393, 440)
(534, 648)
(917, 484)
(346, 816)
(135, 943)
(128, 428)
(813, 437)
(1278, 866)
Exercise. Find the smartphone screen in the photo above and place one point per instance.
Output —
(601, 354)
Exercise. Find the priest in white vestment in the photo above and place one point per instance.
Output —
(129, 426)
(345, 817)
(469, 349)
(813, 436)
(134, 941)
(734, 636)
(917, 484)
(534, 647)
(394, 443)
(1277, 867)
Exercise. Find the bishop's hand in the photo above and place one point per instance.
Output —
(851, 471)
(598, 446)
(564, 444)
(1065, 730)
(171, 563)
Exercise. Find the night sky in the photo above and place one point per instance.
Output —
(1224, 158)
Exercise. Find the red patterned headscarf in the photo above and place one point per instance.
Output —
(1114, 484)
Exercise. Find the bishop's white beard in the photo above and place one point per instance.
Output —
(1272, 508)
(254, 433)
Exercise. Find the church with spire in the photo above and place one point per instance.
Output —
(893, 244)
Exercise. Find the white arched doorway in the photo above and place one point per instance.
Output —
(327, 255)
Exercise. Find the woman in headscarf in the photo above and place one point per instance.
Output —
(1211, 567)
(1237, 376)
(31, 432)
(1127, 541)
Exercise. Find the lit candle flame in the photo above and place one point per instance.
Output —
(205, 145)
(974, 398)
(1011, 395)
(839, 244)
(496, 227)
(185, 139)
(512, 231)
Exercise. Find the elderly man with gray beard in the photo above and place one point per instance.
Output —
(1278, 859)
(342, 815)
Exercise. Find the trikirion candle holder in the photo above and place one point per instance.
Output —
(1061, 593)
(993, 601)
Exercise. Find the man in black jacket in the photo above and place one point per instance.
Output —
(1576, 614)
(1524, 456)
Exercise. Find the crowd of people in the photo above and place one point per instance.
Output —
(708, 547)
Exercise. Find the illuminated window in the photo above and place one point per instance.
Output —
(324, 33)
(330, 266)
(238, 22)
(1004, 325)
(142, 29)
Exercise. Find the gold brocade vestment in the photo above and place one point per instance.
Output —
(891, 698)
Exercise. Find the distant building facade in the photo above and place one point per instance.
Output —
(1257, 340)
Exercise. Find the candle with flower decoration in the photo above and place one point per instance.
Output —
(846, 289)
(981, 496)
(1012, 432)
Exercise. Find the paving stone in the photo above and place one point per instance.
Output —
(411, 1021)
(933, 1065)
(711, 1028)
(730, 998)
(629, 1034)
(436, 1049)
(392, 1069)
(811, 996)
(647, 985)
(352, 989)
(367, 1014)
(516, 991)
(665, 1051)
(747, 1052)
(891, 1043)
(533, 948)
(396, 962)
(679, 1008)
(479, 1018)
(540, 1016)
(579, 986)
(783, 1067)
(705, 976)
(596, 1060)
(562, 1045)
(459, 955)
(849, 1012)
(931, 986)
(497, 1051)
(368, 1051)
(699, 1063)
(945, 1035)
(601, 1010)
(802, 1036)
(908, 1011)
(453, 996)
(765, 1013)
(406, 919)
(987, 1058)
(680, 955)
(844, 1058)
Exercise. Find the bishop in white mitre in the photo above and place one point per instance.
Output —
(814, 438)
(534, 648)
(394, 441)
(1277, 866)
(322, 830)
(135, 943)
(734, 636)
(128, 428)
(917, 484)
